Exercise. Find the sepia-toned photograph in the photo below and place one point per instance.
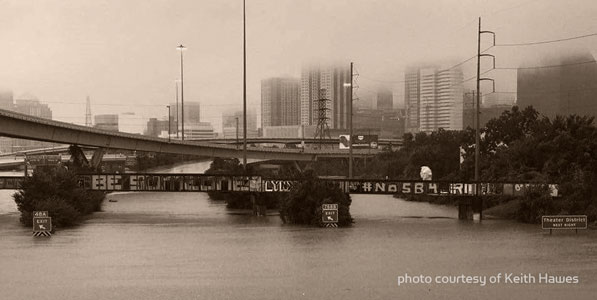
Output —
(298, 149)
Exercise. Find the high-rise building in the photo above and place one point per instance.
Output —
(30, 105)
(6, 100)
(566, 88)
(229, 121)
(499, 99)
(468, 109)
(198, 131)
(412, 85)
(155, 127)
(280, 102)
(439, 101)
(331, 78)
(106, 122)
(385, 99)
(192, 114)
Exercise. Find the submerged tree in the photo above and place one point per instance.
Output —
(303, 204)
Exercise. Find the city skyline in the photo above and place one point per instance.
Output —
(123, 54)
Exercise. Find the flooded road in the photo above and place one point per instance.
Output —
(186, 246)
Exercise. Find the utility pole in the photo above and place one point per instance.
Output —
(478, 99)
(236, 133)
(350, 124)
(176, 110)
(88, 113)
(182, 48)
(244, 90)
(169, 122)
(479, 203)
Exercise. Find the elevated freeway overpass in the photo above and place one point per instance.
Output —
(22, 126)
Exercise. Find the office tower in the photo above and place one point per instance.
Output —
(438, 102)
(106, 122)
(499, 99)
(30, 105)
(411, 99)
(332, 79)
(6, 100)
(229, 120)
(566, 88)
(156, 127)
(385, 99)
(280, 102)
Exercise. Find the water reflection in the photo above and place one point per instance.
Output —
(186, 246)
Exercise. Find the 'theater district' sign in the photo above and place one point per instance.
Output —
(564, 222)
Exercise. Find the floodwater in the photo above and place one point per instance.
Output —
(186, 246)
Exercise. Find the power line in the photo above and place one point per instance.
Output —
(548, 66)
(547, 42)
(442, 69)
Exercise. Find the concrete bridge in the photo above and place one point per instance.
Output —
(22, 126)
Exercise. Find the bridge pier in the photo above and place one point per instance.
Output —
(470, 209)
(259, 209)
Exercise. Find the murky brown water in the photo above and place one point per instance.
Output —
(185, 246)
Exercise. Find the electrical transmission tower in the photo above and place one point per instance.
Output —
(323, 128)
(88, 113)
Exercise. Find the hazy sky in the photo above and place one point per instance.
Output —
(122, 52)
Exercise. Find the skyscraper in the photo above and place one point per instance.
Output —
(6, 100)
(229, 128)
(192, 114)
(30, 105)
(566, 88)
(439, 101)
(411, 99)
(106, 122)
(280, 102)
(385, 99)
(331, 78)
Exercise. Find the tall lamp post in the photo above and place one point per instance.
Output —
(176, 110)
(236, 132)
(169, 122)
(181, 48)
(244, 90)
(350, 123)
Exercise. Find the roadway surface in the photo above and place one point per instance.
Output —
(22, 126)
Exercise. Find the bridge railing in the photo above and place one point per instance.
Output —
(243, 183)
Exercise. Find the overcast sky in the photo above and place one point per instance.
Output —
(122, 53)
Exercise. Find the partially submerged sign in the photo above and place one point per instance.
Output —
(42, 223)
(564, 222)
(329, 213)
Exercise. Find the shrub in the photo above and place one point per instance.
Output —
(535, 203)
(56, 191)
(303, 204)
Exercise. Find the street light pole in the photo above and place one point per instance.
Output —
(236, 133)
(350, 124)
(244, 90)
(181, 48)
(176, 110)
(168, 106)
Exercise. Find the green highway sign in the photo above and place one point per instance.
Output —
(564, 222)
(40, 213)
(329, 213)
(42, 224)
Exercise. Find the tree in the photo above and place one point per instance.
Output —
(56, 191)
(303, 204)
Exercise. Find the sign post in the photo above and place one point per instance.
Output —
(42, 224)
(329, 215)
(575, 222)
